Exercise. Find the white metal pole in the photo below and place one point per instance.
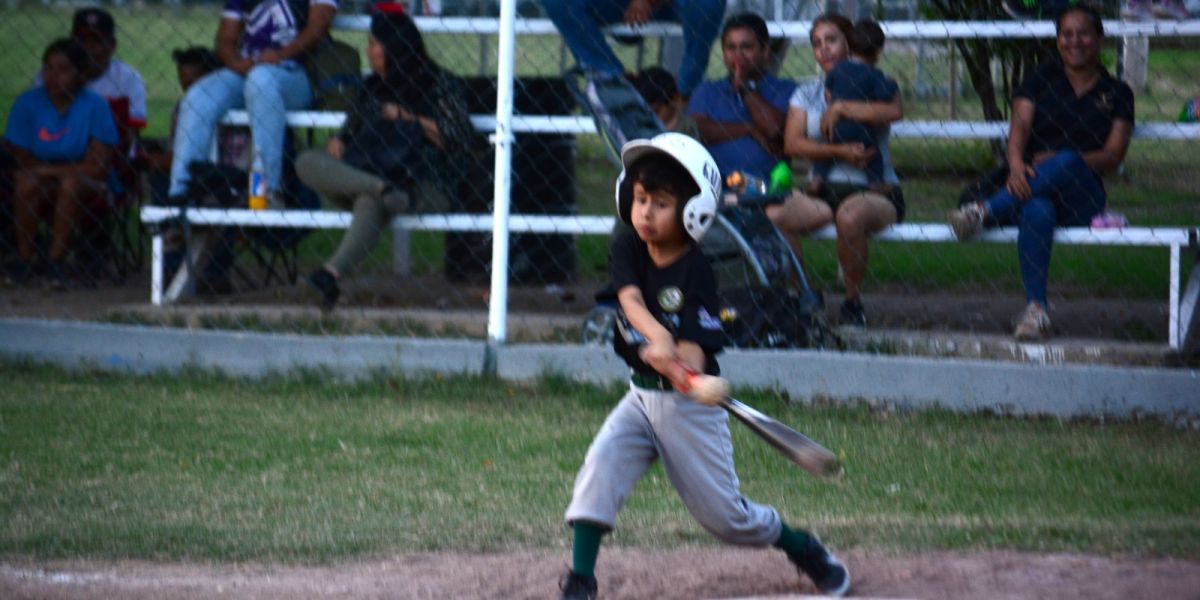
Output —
(503, 140)
(156, 268)
(1174, 335)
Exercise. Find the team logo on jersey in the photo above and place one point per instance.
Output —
(708, 321)
(670, 299)
(1104, 102)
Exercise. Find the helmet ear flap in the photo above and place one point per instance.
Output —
(624, 199)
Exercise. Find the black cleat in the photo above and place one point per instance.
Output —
(824, 569)
(577, 587)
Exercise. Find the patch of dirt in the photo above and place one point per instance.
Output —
(623, 573)
(979, 313)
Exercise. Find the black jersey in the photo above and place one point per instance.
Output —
(1062, 120)
(682, 297)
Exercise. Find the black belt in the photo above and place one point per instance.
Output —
(652, 382)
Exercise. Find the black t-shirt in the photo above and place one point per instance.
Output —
(1063, 120)
(682, 297)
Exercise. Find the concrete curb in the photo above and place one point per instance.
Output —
(909, 382)
(139, 349)
(806, 375)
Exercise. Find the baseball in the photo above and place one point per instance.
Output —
(707, 389)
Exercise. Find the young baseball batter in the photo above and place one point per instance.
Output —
(667, 192)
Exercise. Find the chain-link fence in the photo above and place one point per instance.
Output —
(388, 180)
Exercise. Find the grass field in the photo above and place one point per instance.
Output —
(303, 469)
(1155, 188)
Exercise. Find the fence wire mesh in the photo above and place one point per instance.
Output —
(423, 141)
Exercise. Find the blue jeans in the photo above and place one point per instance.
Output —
(266, 92)
(1066, 193)
(580, 22)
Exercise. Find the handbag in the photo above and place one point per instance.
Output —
(385, 148)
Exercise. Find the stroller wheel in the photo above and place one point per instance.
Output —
(597, 327)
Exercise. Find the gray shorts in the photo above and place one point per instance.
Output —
(694, 444)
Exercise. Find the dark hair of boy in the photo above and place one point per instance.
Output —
(751, 21)
(868, 38)
(661, 173)
(196, 56)
(656, 85)
(70, 49)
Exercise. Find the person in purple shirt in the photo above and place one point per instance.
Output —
(62, 138)
(262, 45)
(741, 117)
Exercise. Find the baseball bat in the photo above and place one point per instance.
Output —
(797, 447)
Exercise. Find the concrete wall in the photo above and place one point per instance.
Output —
(968, 385)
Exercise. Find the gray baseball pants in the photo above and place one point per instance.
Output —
(694, 444)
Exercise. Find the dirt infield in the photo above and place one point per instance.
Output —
(623, 573)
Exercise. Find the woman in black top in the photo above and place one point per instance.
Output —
(1071, 124)
(405, 138)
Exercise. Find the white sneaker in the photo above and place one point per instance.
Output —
(1033, 324)
(967, 220)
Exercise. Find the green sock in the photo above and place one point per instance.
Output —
(586, 548)
(792, 541)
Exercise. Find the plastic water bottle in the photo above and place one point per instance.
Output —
(258, 185)
(747, 185)
(748, 189)
(1188, 114)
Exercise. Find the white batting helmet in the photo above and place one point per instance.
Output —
(696, 213)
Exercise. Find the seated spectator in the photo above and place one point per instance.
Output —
(581, 21)
(405, 140)
(117, 82)
(61, 136)
(263, 46)
(233, 142)
(657, 87)
(741, 117)
(856, 79)
(1071, 124)
(233, 150)
(847, 199)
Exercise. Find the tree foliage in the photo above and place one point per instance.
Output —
(1015, 58)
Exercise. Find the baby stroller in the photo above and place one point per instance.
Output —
(766, 300)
